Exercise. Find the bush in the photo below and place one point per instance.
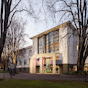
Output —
(76, 73)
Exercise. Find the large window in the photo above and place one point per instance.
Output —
(49, 43)
(56, 36)
(20, 62)
(56, 41)
(40, 45)
(25, 62)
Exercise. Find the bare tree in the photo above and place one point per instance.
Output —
(77, 12)
(7, 13)
(15, 38)
(4, 58)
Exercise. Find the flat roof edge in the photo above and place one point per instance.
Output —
(52, 29)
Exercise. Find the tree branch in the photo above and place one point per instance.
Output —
(15, 6)
(13, 16)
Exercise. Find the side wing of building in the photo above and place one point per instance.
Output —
(24, 59)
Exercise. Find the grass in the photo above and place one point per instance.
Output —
(15, 83)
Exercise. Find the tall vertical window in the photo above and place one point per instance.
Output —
(25, 62)
(41, 44)
(49, 43)
(56, 40)
(20, 62)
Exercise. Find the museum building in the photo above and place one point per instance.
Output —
(55, 50)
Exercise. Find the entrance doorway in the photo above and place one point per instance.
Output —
(47, 65)
(37, 69)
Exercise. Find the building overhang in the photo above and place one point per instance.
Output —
(53, 29)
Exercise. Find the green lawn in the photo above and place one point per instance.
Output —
(15, 83)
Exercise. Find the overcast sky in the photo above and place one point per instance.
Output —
(33, 26)
(45, 19)
(44, 22)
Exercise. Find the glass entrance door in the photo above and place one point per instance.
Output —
(48, 65)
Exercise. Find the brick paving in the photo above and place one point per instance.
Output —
(45, 76)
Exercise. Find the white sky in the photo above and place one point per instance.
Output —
(33, 28)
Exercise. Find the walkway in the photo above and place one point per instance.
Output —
(45, 76)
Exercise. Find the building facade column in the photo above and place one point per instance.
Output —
(54, 64)
(33, 66)
(41, 65)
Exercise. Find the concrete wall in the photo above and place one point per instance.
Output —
(72, 42)
(24, 56)
(68, 45)
(35, 46)
(63, 45)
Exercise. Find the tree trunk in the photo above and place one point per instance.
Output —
(81, 57)
(1, 48)
(81, 62)
(80, 67)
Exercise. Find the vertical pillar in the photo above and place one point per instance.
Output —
(30, 66)
(42, 64)
(54, 64)
(33, 66)
(41, 69)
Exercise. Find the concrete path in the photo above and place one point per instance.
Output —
(45, 76)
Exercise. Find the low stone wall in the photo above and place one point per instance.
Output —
(26, 70)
